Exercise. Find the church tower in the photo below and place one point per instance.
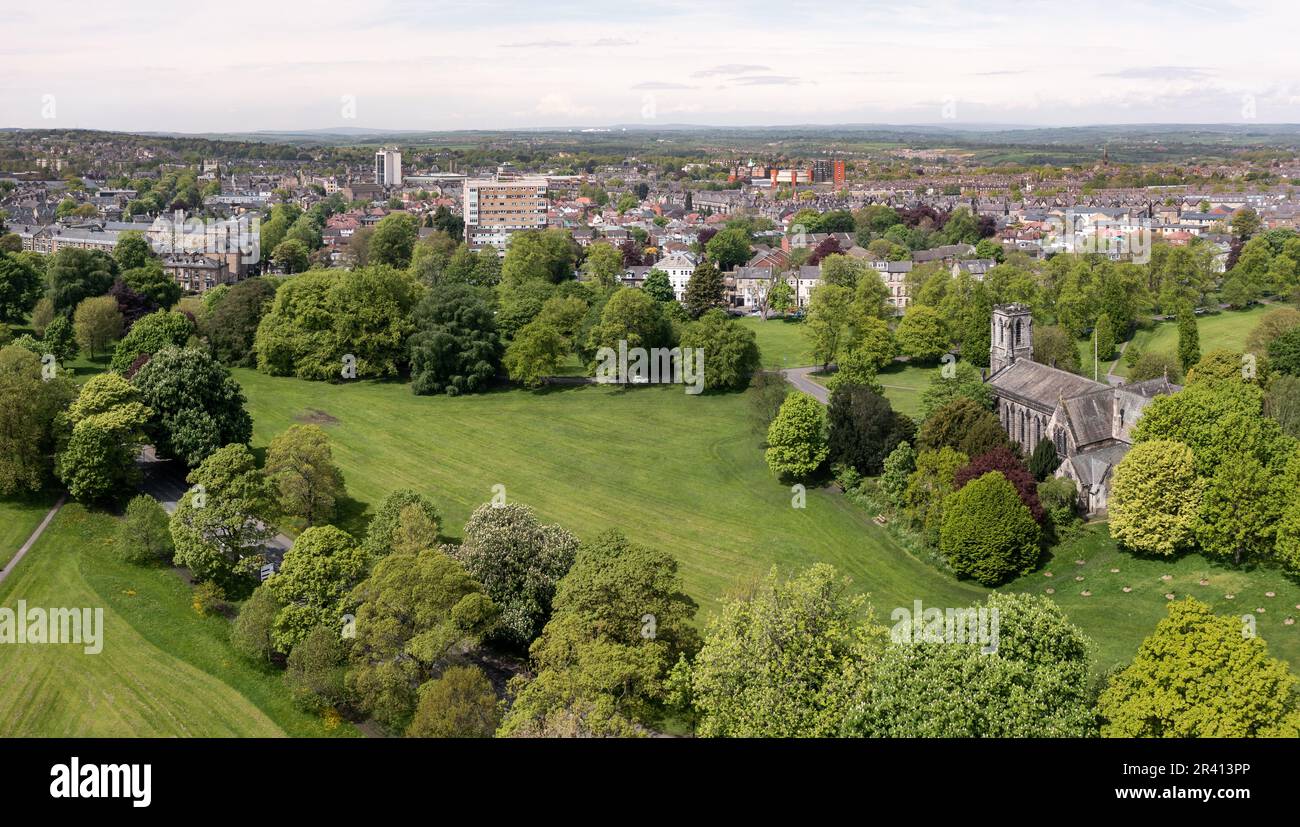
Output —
(1012, 336)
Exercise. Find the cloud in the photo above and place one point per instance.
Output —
(1000, 72)
(659, 84)
(730, 69)
(1161, 73)
(557, 104)
(612, 41)
(540, 44)
(768, 80)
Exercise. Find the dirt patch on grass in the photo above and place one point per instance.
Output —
(315, 416)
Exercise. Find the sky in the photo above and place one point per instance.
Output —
(244, 65)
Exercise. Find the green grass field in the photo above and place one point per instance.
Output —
(163, 671)
(1227, 330)
(684, 474)
(18, 519)
(783, 344)
(904, 384)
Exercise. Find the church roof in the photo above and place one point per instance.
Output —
(1090, 416)
(1091, 467)
(1041, 385)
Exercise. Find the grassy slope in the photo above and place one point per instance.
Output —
(1227, 330)
(163, 671)
(18, 519)
(683, 473)
(783, 344)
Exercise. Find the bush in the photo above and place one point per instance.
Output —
(459, 704)
(250, 634)
(143, 536)
(209, 598)
(314, 670)
(988, 534)
(1043, 462)
(797, 437)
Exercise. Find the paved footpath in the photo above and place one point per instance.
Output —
(31, 541)
(799, 378)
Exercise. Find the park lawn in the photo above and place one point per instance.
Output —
(684, 474)
(18, 519)
(678, 472)
(1118, 621)
(1227, 330)
(904, 384)
(783, 344)
(163, 671)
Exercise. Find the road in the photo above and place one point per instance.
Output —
(798, 377)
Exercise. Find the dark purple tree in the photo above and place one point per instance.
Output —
(1007, 464)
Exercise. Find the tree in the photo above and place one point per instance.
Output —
(232, 324)
(152, 282)
(1237, 510)
(131, 251)
(107, 418)
(1104, 337)
(142, 536)
(1043, 462)
(988, 534)
(392, 521)
(657, 286)
(76, 274)
(60, 339)
(1245, 223)
(633, 317)
(1189, 337)
(322, 316)
(929, 487)
(948, 385)
(519, 561)
(1054, 346)
(730, 350)
(290, 256)
(458, 704)
(1155, 364)
(898, 467)
(97, 322)
(250, 633)
(313, 583)
(415, 613)
(921, 334)
(455, 348)
(705, 290)
(1006, 463)
(864, 429)
(603, 265)
(30, 408)
(539, 255)
(832, 322)
(796, 439)
(1032, 683)
(150, 335)
(953, 424)
(1155, 498)
(620, 623)
(1198, 676)
(1273, 324)
(729, 248)
(42, 315)
(221, 523)
(197, 406)
(393, 241)
(20, 288)
(301, 466)
(1284, 353)
(314, 671)
(1283, 403)
(536, 353)
(788, 660)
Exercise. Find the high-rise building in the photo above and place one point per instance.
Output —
(827, 170)
(388, 168)
(497, 207)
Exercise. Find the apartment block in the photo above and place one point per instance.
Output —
(495, 208)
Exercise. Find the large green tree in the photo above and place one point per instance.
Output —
(197, 405)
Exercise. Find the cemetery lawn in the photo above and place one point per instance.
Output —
(1227, 330)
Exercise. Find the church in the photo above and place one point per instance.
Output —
(1088, 422)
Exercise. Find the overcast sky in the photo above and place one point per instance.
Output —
(242, 65)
